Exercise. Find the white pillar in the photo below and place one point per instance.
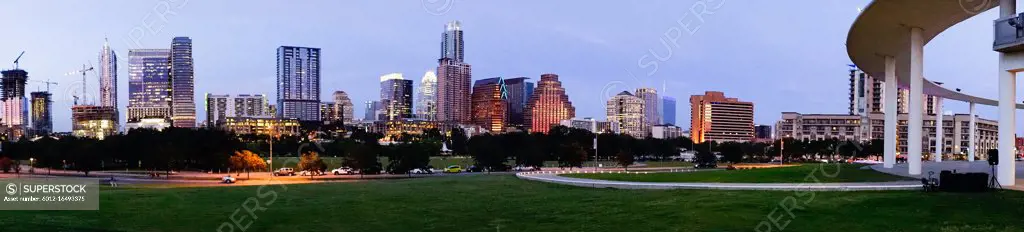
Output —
(889, 157)
(914, 122)
(972, 140)
(1007, 94)
(939, 132)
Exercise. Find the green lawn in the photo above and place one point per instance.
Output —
(490, 202)
(823, 173)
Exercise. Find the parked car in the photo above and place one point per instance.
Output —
(452, 169)
(525, 169)
(284, 172)
(312, 173)
(705, 165)
(344, 171)
(228, 179)
(421, 171)
(474, 168)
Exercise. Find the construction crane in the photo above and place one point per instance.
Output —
(83, 71)
(19, 58)
(47, 82)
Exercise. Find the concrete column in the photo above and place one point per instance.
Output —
(972, 140)
(1007, 122)
(937, 156)
(890, 91)
(1005, 171)
(914, 122)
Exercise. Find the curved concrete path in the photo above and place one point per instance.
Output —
(553, 177)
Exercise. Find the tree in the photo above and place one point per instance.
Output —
(486, 152)
(571, 155)
(457, 142)
(6, 164)
(403, 157)
(248, 161)
(311, 162)
(363, 157)
(731, 152)
(624, 158)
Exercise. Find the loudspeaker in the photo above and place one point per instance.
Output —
(993, 157)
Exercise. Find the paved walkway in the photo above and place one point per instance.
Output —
(553, 177)
(960, 167)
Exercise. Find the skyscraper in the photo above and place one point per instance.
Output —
(108, 76)
(372, 111)
(342, 108)
(668, 110)
(42, 113)
(298, 83)
(627, 111)
(453, 91)
(396, 95)
(718, 118)
(149, 84)
(183, 102)
(15, 106)
(490, 109)
(426, 105)
(221, 107)
(652, 112)
(451, 42)
(519, 91)
(548, 105)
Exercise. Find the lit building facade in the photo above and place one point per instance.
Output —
(93, 121)
(548, 105)
(453, 90)
(338, 111)
(396, 95)
(490, 109)
(42, 113)
(149, 84)
(15, 106)
(261, 126)
(298, 83)
(519, 91)
(183, 100)
(652, 105)
(221, 107)
(717, 118)
(627, 111)
(591, 125)
(426, 105)
(373, 111)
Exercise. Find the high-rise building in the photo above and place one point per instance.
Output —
(652, 114)
(666, 131)
(451, 42)
(396, 95)
(717, 118)
(426, 106)
(15, 106)
(42, 113)
(341, 109)
(628, 113)
(453, 90)
(298, 83)
(866, 95)
(93, 121)
(374, 111)
(519, 91)
(548, 105)
(183, 99)
(490, 109)
(149, 84)
(221, 107)
(668, 110)
(108, 76)
(762, 132)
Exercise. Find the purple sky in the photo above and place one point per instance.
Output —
(783, 56)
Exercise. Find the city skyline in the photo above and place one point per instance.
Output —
(592, 60)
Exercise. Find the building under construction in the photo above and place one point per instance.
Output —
(15, 107)
(42, 113)
(93, 121)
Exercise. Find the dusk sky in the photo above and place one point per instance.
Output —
(781, 55)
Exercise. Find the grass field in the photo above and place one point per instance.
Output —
(823, 173)
(439, 162)
(504, 203)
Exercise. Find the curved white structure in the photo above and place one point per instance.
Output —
(887, 40)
